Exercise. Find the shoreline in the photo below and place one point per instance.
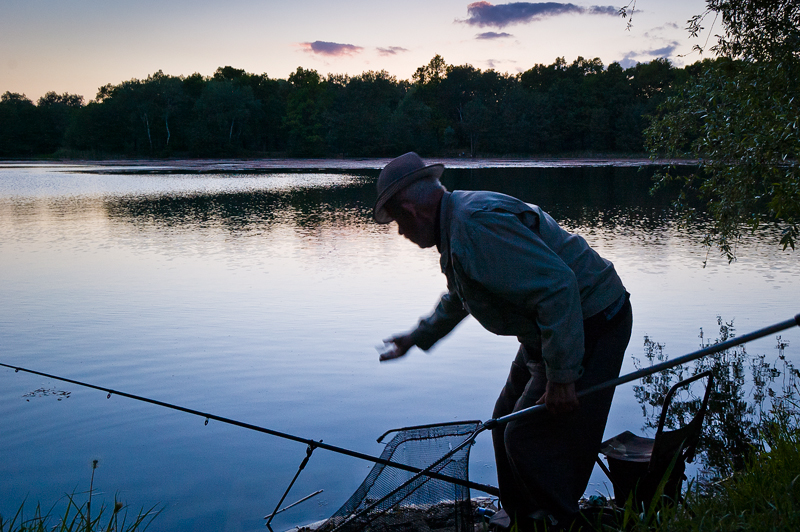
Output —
(199, 166)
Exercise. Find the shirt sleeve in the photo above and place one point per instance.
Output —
(448, 313)
(513, 262)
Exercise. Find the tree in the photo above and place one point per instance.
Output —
(739, 117)
(305, 108)
(222, 117)
(411, 126)
(56, 112)
(169, 98)
(19, 135)
(553, 109)
(361, 112)
(434, 72)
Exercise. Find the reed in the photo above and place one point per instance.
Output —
(77, 516)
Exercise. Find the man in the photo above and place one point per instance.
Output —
(510, 266)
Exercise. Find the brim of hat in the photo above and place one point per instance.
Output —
(379, 212)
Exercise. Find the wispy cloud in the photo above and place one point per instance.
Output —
(658, 31)
(496, 64)
(633, 57)
(330, 48)
(392, 50)
(486, 14)
(493, 35)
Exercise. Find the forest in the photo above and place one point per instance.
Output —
(583, 107)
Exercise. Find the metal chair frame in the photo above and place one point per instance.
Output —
(646, 467)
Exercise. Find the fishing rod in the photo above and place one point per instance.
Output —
(487, 425)
(312, 444)
(493, 423)
(613, 383)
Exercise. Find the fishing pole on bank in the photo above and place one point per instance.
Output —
(312, 444)
(487, 425)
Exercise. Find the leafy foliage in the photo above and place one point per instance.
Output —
(739, 118)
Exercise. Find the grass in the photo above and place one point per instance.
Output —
(78, 517)
(764, 496)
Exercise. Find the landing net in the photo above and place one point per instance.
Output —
(389, 499)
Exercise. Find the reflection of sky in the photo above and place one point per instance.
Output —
(33, 183)
(250, 300)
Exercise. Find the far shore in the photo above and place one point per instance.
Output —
(263, 164)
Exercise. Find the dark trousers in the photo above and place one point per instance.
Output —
(544, 462)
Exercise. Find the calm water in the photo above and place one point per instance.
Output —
(260, 296)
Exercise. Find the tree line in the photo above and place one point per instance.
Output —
(559, 108)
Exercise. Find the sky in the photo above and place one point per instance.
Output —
(77, 46)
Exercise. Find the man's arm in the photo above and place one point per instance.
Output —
(448, 313)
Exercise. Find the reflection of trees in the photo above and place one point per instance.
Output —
(571, 192)
(608, 199)
(613, 199)
(304, 208)
(734, 417)
(610, 204)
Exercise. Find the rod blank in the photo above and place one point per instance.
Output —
(716, 348)
(491, 490)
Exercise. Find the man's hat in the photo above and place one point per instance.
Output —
(397, 175)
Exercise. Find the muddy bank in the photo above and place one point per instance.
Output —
(443, 517)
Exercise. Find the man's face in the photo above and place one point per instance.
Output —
(413, 225)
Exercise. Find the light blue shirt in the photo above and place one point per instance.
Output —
(516, 271)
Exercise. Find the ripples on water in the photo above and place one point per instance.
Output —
(260, 296)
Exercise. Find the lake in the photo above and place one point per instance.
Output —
(259, 290)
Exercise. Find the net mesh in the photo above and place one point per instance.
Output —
(392, 499)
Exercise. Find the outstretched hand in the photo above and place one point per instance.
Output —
(559, 398)
(396, 347)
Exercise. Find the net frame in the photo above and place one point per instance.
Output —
(391, 498)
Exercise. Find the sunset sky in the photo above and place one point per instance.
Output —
(78, 46)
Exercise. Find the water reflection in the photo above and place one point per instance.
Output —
(610, 206)
(602, 199)
(305, 209)
(746, 387)
(589, 199)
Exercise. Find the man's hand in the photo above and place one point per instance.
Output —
(396, 346)
(559, 398)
